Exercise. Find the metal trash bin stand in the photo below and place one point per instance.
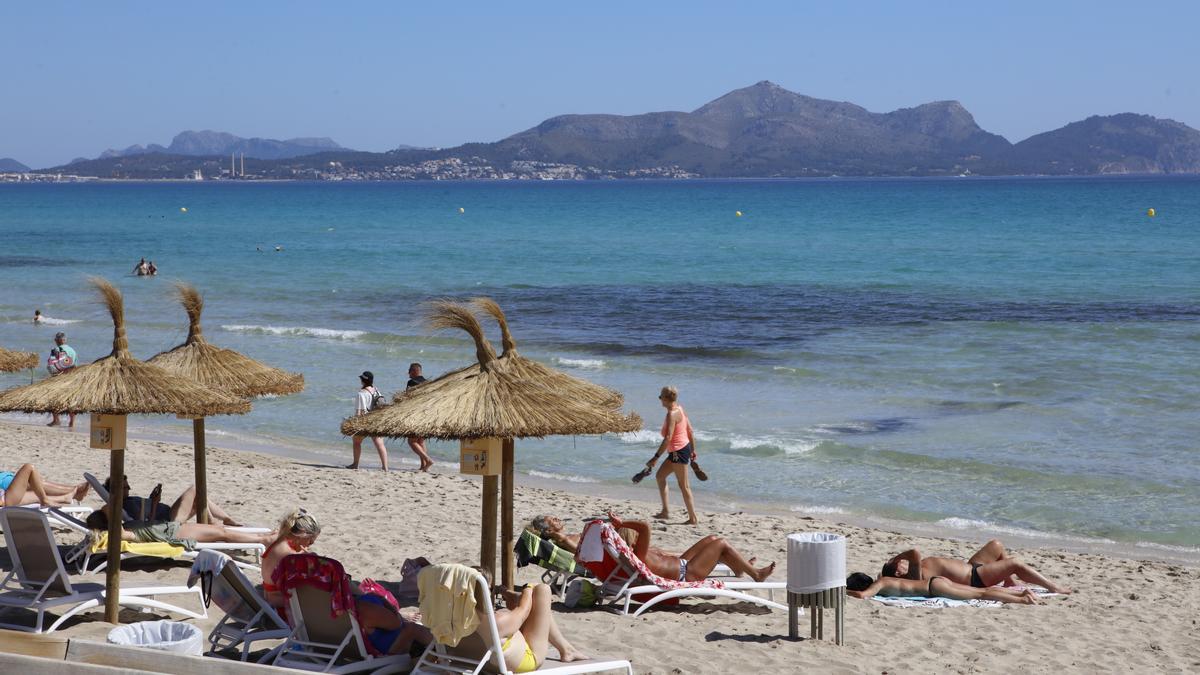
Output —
(816, 580)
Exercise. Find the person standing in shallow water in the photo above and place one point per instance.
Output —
(416, 442)
(67, 361)
(364, 403)
(680, 444)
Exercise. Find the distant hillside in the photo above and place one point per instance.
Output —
(208, 143)
(10, 165)
(759, 131)
(1125, 143)
(763, 130)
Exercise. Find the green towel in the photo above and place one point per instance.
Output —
(531, 548)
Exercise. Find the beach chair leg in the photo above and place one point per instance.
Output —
(793, 619)
(841, 614)
(812, 622)
(821, 621)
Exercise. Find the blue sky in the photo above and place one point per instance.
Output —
(77, 78)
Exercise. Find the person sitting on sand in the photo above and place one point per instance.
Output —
(389, 632)
(526, 627)
(694, 564)
(186, 535)
(27, 486)
(152, 510)
(861, 585)
(991, 565)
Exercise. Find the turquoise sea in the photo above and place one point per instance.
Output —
(1017, 355)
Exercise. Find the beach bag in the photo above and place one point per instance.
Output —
(409, 571)
(580, 593)
(377, 400)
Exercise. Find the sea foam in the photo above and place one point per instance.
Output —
(585, 364)
(558, 476)
(303, 331)
(956, 523)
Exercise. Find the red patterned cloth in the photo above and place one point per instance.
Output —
(616, 550)
(308, 569)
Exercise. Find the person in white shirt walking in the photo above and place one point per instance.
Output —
(368, 399)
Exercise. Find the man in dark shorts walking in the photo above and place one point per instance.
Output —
(416, 443)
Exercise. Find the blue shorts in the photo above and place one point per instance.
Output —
(382, 638)
(683, 455)
(6, 478)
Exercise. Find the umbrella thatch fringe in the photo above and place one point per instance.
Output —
(505, 397)
(222, 369)
(111, 298)
(489, 307)
(11, 361)
(450, 315)
(193, 304)
(119, 384)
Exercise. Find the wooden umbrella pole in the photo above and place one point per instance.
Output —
(112, 573)
(507, 562)
(201, 471)
(487, 546)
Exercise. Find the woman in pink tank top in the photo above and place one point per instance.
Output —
(681, 446)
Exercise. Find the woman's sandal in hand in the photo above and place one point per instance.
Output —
(699, 472)
(637, 478)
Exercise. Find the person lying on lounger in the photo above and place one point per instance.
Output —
(991, 565)
(526, 627)
(694, 564)
(387, 630)
(186, 535)
(152, 510)
(861, 585)
(27, 486)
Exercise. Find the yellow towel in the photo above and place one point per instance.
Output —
(158, 549)
(448, 602)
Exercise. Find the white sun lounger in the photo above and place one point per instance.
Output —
(321, 643)
(437, 658)
(630, 580)
(39, 580)
(248, 617)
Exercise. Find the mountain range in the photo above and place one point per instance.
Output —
(209, 143)
(762, 130)
(10, 165)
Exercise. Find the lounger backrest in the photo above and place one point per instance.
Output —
(103, 494)
(312, 605)
(234, 593)
(34, 552)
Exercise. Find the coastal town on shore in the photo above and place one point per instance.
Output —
(450, 168)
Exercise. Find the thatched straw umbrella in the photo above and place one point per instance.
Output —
(11, 362)
(111, 388)
(499, 397)
(221, 369)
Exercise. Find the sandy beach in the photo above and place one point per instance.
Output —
(1126, 614)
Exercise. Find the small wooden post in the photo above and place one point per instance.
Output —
(487, 544)
(112, 573)
(507, 557)
(201, 471)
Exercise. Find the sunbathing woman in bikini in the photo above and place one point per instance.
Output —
(860, 585)
(694, 564)
(527, 628)
(388, 632)
(991, 565)
(27, 486)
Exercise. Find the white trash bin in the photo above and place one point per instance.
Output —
(167, 636)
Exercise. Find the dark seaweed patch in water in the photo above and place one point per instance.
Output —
(12, 261)
(975, 406)
(750, 322)
(879, 426)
